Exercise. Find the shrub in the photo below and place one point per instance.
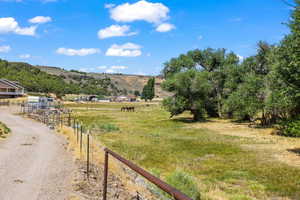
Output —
(179, 180)
(184, 183)
(290, 128)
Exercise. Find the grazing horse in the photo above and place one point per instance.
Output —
(128, 109)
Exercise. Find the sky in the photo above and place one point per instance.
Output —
(133, 36)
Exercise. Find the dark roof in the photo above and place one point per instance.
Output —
(10, 84)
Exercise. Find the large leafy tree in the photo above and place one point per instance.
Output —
(213, 63)
(191, 93)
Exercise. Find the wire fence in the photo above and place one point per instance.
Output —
(94, 154)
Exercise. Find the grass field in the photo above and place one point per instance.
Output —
(221, 166)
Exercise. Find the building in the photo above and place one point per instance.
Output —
(10, 89)
(129, 98)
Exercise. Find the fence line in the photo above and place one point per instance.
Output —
(63, 117)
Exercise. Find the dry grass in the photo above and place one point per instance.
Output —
(279, 147)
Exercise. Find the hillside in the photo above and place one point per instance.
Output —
(120, 83)
(47, 79)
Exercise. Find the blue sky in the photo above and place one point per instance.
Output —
(132, 36)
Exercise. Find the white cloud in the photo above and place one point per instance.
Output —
(115, 31)
(101, 67)
(24, 56)
(10, 25)
(141, 10)
(119, 67)
(5, 49)
(26, 31)
(165, 27)
(77, 52)
(40, 20)
(109, 5)
(125, 50)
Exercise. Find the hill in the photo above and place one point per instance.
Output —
(56, 80)
(120, 83)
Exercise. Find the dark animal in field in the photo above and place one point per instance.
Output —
(128, 109)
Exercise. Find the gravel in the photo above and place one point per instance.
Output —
(34, 163)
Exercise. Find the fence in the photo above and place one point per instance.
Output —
(65, 118)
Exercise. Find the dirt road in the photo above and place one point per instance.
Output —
(34, 164)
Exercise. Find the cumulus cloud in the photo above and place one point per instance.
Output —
(115, 31)
(10, 25)
(77, 52)
(5, 49)
(141, 10)
(25, 56)
(165, 27)
(40, 20)
(125, 50)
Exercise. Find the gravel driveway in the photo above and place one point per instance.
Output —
(33, 161)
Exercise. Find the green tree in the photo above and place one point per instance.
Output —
(191, 93)
(289, 60)
(213, 61)
(148, 92)
(137, 93)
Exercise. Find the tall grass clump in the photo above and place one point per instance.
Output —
(4, 130)
(184, 183)
(179, 180)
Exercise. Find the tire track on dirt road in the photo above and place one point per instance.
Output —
(34, 163)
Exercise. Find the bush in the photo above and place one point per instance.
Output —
(179, 180)
(184, 183)
(290, 128)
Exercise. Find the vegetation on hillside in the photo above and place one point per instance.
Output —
(216, 83)
(35, 80)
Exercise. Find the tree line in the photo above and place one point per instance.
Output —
(216, 83)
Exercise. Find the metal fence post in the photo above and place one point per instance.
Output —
(69, 120)
(105, 175)
(88, 155)
(77, 132)
(81, 130)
